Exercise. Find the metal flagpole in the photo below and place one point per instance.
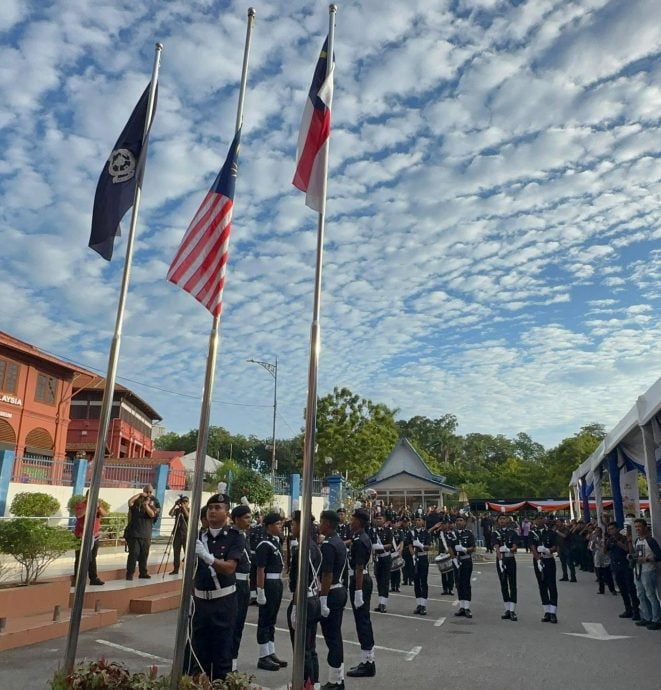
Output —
(106, 405)
(190, 561)
(311, 414)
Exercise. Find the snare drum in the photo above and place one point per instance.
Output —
(443, 563)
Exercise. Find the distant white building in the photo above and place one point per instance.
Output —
(210, 464)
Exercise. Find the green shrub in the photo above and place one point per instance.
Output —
(28, 504)
(109, 675)
(113, 524)
(77, 498)
(34, 544)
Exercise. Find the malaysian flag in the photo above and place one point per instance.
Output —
(311, 151)
(201, 262)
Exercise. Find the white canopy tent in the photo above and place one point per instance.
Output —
(633, 443)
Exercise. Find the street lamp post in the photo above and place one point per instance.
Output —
(272, 368)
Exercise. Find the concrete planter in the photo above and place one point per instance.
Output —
(27, 600)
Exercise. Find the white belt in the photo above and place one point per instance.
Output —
(242, 576)
(337, 585)
(385, 555)
(273, 576)
(214, 593)
(311, 594)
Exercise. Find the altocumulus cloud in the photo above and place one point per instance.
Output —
(493, 216)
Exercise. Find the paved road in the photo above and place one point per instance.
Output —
(484, 652)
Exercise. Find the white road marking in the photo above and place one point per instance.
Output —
(439, 622)
(596, 631)
(473, 579)
(130, 650)
(401, 615)
(409, 596)
(415, 651)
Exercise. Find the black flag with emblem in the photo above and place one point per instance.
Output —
(120, 174)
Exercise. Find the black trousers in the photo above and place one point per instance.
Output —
(420, 576)
(362, 615)
(624, 580)
(395, 579)
(178, 543)
(548, 588)
(407, 571)
(382, 575)
(211, 635)
(463, 578)
(138, 553)
(268, 614)
(447, 580)
(242, 602)
(567, 562)
(605, 579)
(331, 627)
(507, 577)
(311, 660)
(91, 571)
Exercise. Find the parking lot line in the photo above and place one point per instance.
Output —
(410, 596)
(130, 650)
(412, 653)
(439, 622)
(401, 615)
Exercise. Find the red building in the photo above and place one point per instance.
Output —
(35, 396)
(131, 421)
(50, 414)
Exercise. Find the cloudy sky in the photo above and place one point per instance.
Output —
(492, 245)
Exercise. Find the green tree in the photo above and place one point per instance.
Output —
(435, 439)
(243, 481)
(355, 433)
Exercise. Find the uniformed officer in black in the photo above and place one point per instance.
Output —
(333, 596)
(441, 529)
(461, 543)
(407, 571)
(543, 542)
(344, 533)
(255, 535)
(398, 537)
(219, 550)
(241, 519)
(382, 547)
(506, 540)
(269, 564)
(418, 543)
(617, 546)
(313, 567)
(360, 591)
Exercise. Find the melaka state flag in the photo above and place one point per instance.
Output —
(311, 151)
(200, 264)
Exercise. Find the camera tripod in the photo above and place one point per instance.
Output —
(168, 547)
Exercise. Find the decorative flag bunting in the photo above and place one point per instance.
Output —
(120, 175)
(200, 264)
(314, 132)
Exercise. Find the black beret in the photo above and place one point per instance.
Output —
(239, 511)
(361, 514)
(219, 498)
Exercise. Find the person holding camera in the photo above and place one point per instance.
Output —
(180, 512)
(617, 546)
(144, 509)
(647, 552)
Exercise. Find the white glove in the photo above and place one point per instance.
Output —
(261, 597)
(325, 611)
(542, 550)
(292, 618)
(418, 544)
(358, 598)
(504, 549)
(460, 549)
(202, 552)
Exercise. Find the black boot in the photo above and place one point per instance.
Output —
(365, 669)
(280, 662)
(267, 664)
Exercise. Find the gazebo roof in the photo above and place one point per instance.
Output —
(404, 460)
